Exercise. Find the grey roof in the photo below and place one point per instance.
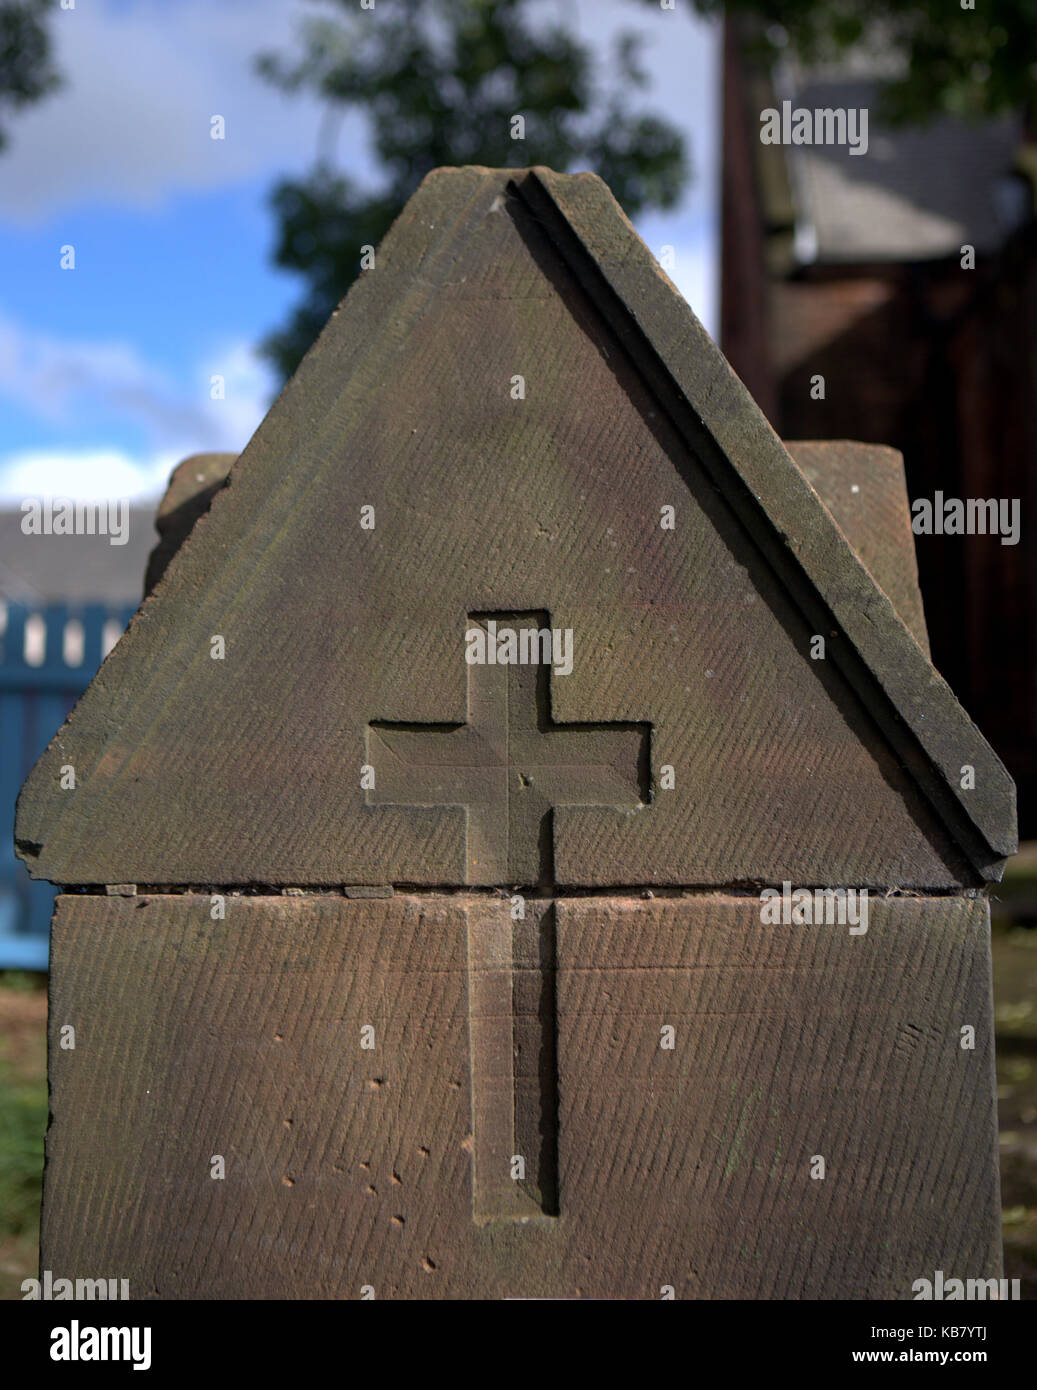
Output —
(919, 193)
(74, 569)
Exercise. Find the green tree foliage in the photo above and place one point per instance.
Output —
(979, 61)
(440, 81)
(26, 69)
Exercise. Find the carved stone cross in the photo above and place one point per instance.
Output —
(510, 765)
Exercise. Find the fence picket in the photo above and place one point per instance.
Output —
(34, 702)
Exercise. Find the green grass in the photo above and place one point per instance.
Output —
(23, 1123)
(23, 981)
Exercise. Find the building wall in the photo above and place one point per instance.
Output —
(938, 362)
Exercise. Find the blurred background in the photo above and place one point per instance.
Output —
(185, 189)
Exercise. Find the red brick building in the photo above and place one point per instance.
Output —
(849, 267)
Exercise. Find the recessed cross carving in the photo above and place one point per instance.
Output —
(509, 766)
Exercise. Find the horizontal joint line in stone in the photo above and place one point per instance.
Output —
(361, 892)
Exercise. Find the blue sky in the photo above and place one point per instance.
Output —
(105, 369)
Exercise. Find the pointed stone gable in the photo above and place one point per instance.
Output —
(517, 624)
(518, 393)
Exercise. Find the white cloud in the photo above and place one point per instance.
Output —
(131, 123)
(54, 377)
(249, 388)
(94, 387)
(84, 473)
(63, 380)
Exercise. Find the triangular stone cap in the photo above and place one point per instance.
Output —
(192, 771)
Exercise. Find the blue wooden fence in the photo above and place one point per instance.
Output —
(48, 656)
